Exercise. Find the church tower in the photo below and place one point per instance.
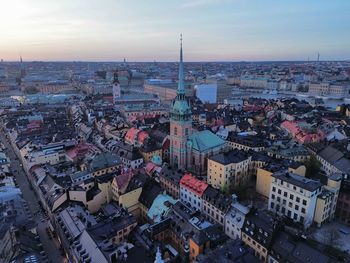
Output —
(180, 123)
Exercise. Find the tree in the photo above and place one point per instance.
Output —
(313, 167)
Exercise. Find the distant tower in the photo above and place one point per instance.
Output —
(180, 123)
(116, 88)
(22, 70)
(318, 56)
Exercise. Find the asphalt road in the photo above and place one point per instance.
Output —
(51, 246)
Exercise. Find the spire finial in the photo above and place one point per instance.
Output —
(181, 85)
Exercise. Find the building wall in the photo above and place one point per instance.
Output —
(179, 134)
(260, 251)
(169, 186)
(190, 198)
(147, 156)
(196, 249)
(228, 176)
(301, 170)
(212, 213)
(343, 207)
(293, 201)
(322, 210)
(263, 182)
(236, 145)
(130, 199)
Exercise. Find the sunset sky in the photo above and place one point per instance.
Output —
(147, 30)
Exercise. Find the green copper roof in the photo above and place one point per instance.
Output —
(181, 84)
(205, 140)
(181, 106)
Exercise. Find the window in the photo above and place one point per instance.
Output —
(296, 207)
(285, 194)
(303, 210)
(304, 202)
(273, 196)
(279, 191)
(272, 204)
(175, 130)
(291, 197)
(273, 189)
(298, 199)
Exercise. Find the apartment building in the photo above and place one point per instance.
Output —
(169, 179)
(294, 196)
(234, 219)
(246, 143)
(215, 205)
(229, 169)
(191, 191)
(258, 231)
(328, 89)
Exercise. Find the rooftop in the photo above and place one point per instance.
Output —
(297, 180)
(193, 184)
(233, 156)
(205, 140)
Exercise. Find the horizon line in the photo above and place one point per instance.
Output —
(168, 61)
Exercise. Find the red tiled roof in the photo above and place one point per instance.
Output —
(193, 184)
(131, 134)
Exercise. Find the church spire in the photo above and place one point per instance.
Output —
(181, 84)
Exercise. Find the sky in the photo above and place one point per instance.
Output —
(148, 30)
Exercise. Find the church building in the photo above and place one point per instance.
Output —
(189, 149)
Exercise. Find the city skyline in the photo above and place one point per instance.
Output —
(138, 31)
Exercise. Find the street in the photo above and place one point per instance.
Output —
(50, 245)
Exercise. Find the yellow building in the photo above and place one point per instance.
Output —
(126, 190)
(264, 176)
(327, 200)
(229, 170)
(148, 151)
(263, 181)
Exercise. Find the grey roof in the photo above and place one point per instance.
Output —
(104, 160)
(300, 181)
(296, 251)
(233, 251)
(234, 156)
(216, 198)
(343, 165)
(171, 174)
(331, 154)
(260, 220)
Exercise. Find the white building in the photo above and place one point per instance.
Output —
(206, 92)
(191, 191)
(294, 196)
(328, 89)
(234, 220)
